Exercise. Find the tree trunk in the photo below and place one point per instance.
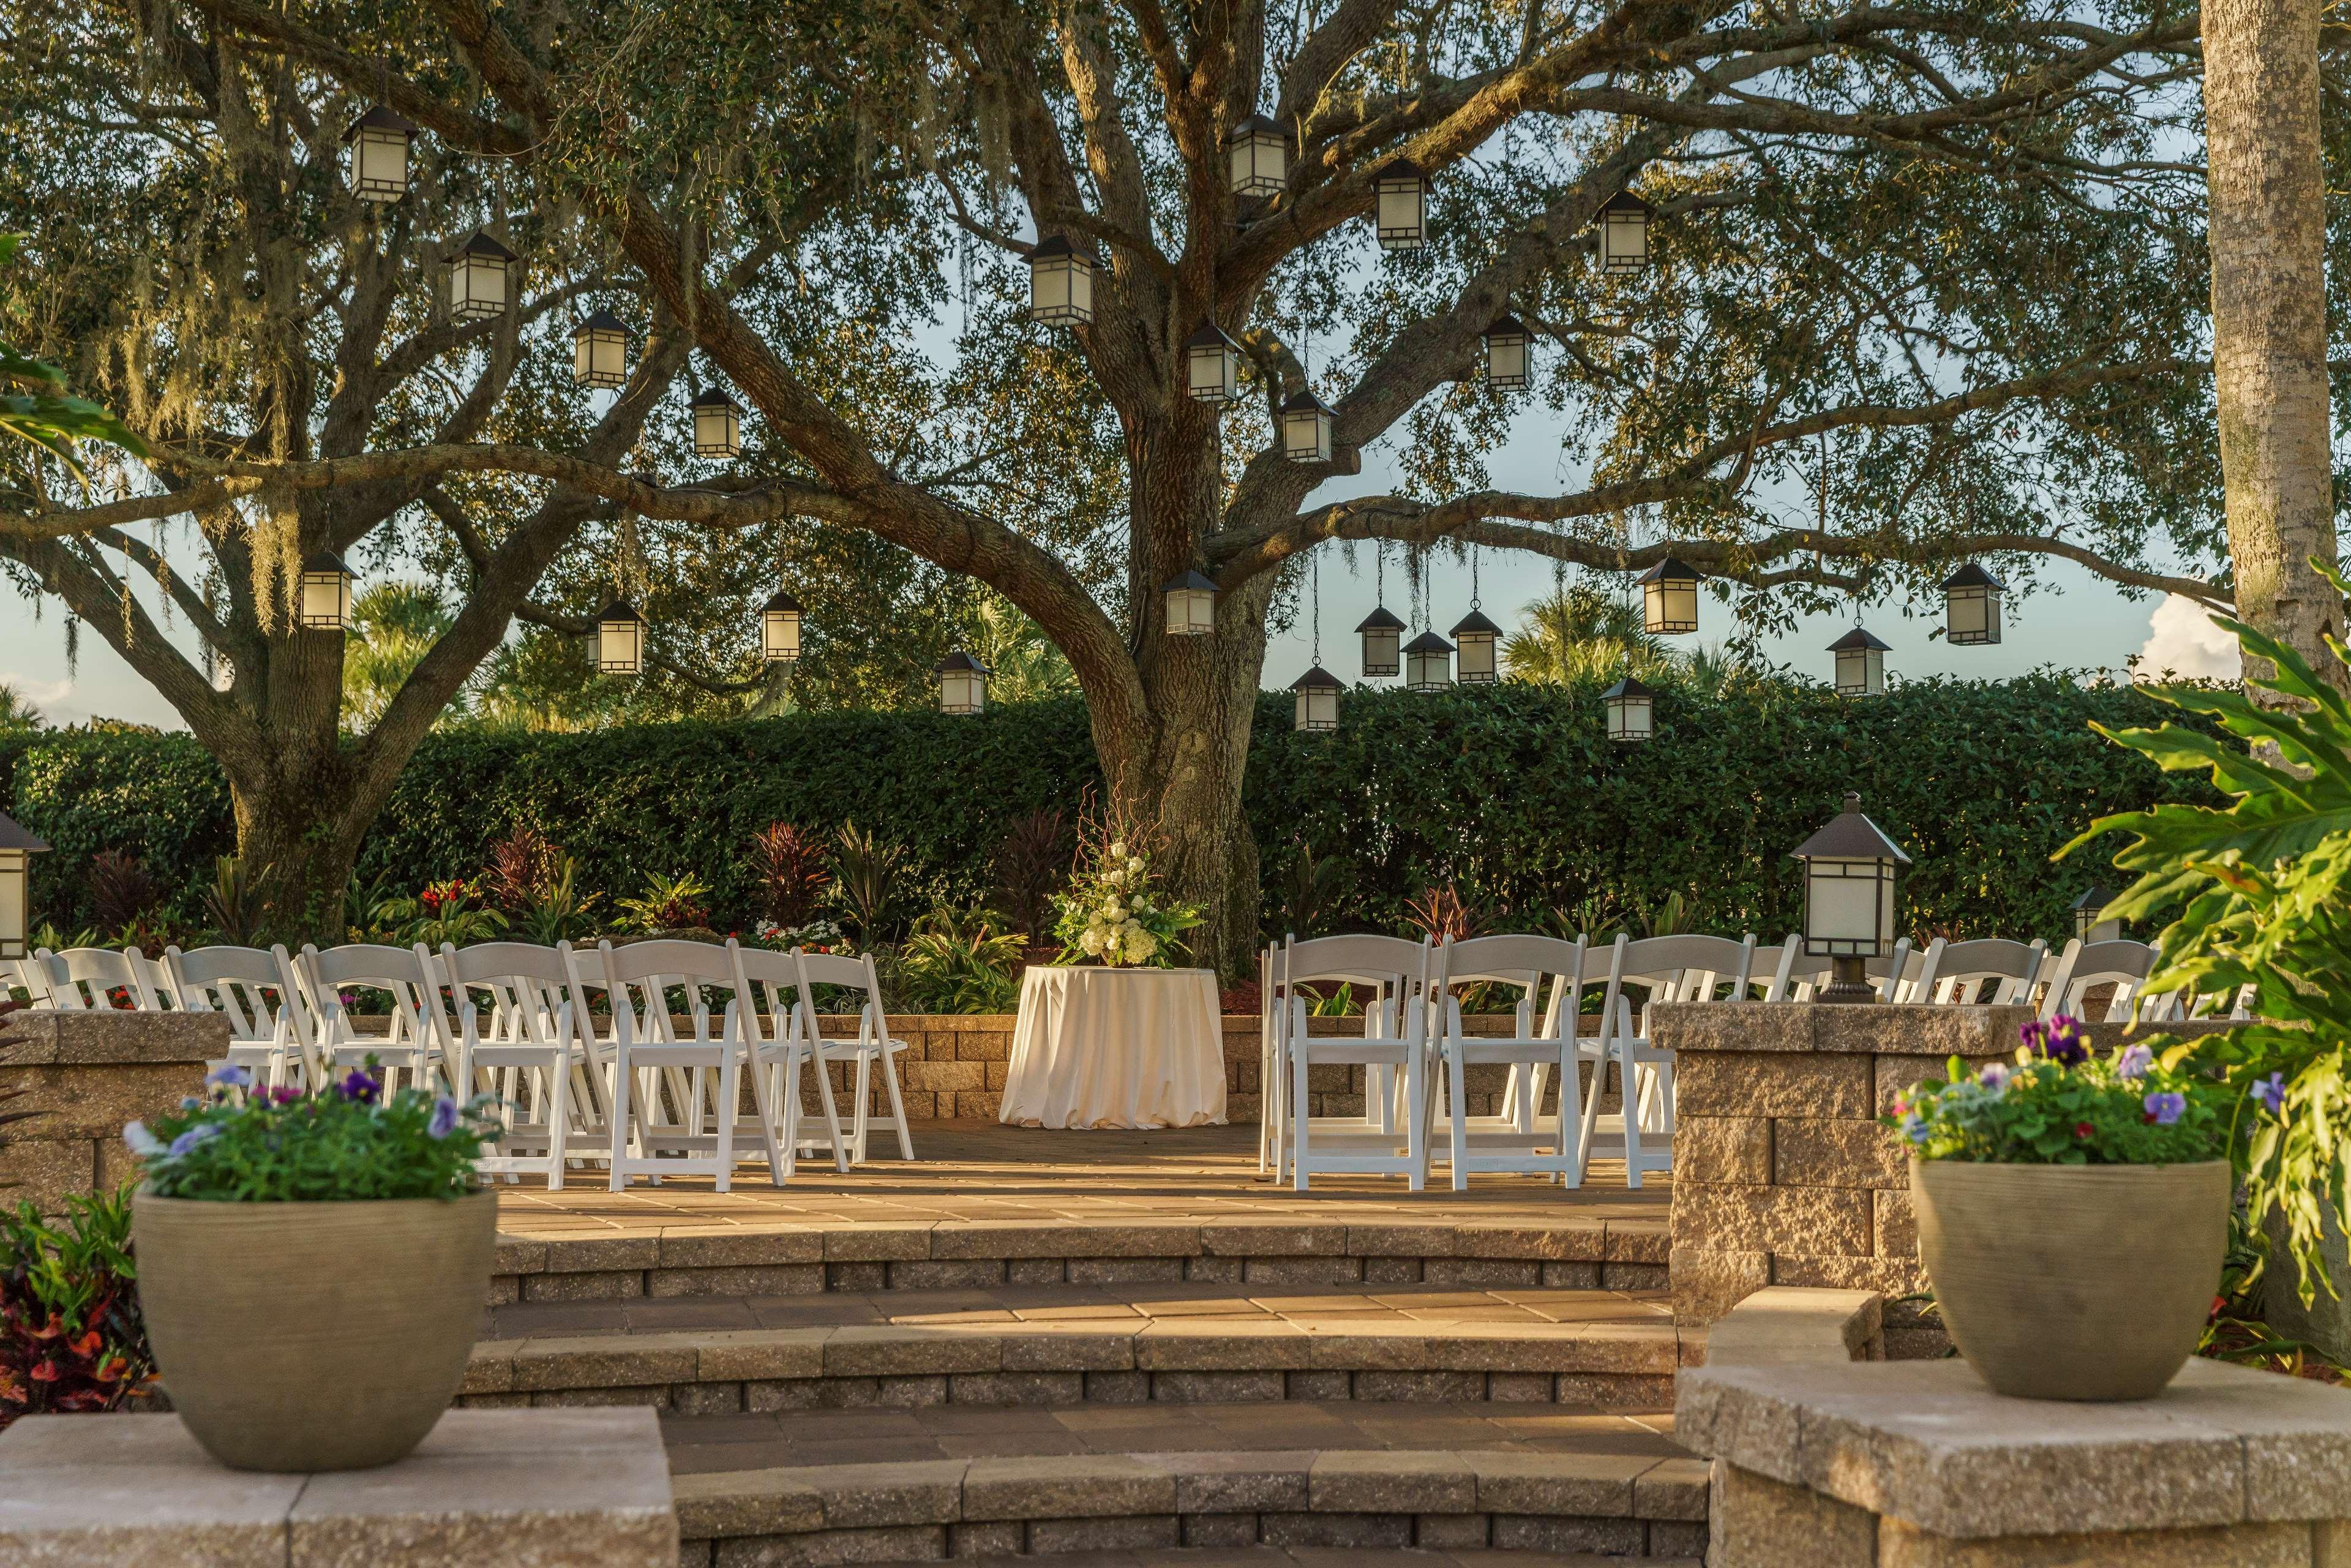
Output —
(2269, 316)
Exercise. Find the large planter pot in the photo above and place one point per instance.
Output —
(2073, 1281)
(313, 1336)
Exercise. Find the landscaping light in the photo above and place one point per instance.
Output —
(18, 849)
(1401, 217)
(600, 351)
(1476, 636)
(1317, 699)
(378, 140)
(1971, 606)
(1668, 599)
(717, 425)
(1259, 150)
(1860, 665)
(963, 683)
(779, 630)
(1382, 633)
(1191, 605)
(1850, 867)
(326, 593)
(1213, 363)
(2087, 926)
(1625, 233)
(1428, 663)
(1631, 710)
(1306, 428)
(1061, 283)
(477, 277)
(620, 640)
(1509, 361)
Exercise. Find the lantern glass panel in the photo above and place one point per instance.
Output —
(717, 431)
(15, 904)
(962, 691)
(1631, 717)
(477, 286)
(599, 357)
(1476, 665)
(1624, 242)
(620, 647)
(780, 635)
(1383, 650)
(380, 165)
(1306, 435)
(1848, 907)
(1971, 615)
(1402, 214)
(1191, 612)
(1669, 607)
(1506, 359)
(1861, 672)
(1215, 373)
(326, 600)
(1061, 289)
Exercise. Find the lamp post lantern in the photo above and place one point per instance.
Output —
(963, 683)
(600, 351)
(1625, 233)
(1631, 710)
(2088, 910)
(326, 593)
(1509, 357)
(1971, 606)
(1400, 197)
(1668, 599)
(1476, 636)
(1191, 602)
(1317, 700)
(1428, 663)
(1212, 365)
(1061, 283)
(18, 849)
(1860, 665)
(779, 630)
(1851, 869)
(477, 277)
(380, 142)
(1259, 152)
(717, 425)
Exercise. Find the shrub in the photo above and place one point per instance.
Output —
(667, 903)
(960, 964)
(1032, 864)
(71, 1338)
(788, 871)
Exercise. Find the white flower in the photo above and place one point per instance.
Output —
(1135, 865)
(1113, 911)
(1118, 849)
(1092, 941)
(1139, 945)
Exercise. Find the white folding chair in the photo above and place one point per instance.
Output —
(1985, 971)
(781, 1045)
(699, 1138)
(31, 975)
(254, 991)
(1515, 1139)
(537, 1059)
(868, 1048)
(2123, 964)
(1670, 969)
(101, 979)
(1395, 1039)
(411, 1053)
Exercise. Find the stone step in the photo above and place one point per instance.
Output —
(1221, 1484)
(1312, 1557)
(1107, 1346)
(755, 1251)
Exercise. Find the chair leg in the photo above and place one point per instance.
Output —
(762, 1105)
(1457, 1102)
(558, 1122)
(1300, 1156)
(897, 1106)
(791, 1098)
(726, 1093)
(623, 1140)
(1416, 1109)
(1632, 1116)
(864, 1109)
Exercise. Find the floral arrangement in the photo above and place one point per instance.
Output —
(347, 1141)
(814, 937)
(71, 1338)
(2063, 1104)
(1110, 912)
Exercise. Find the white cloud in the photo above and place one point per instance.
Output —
(40, 693)
(2182, 640)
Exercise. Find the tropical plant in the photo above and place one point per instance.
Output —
(71, 1337)
(120, 890)
(1114, 912)
(232, 904)
(445, 912)
(1440, 913)
(960, 964)
(1022, 662)
(346, 1142)
(394, 626)
(788, 873)
(556, 911)
(1578, 634)
(1032, 864)
(1313, 890)
(667, 903)
(865, 876)
(18, 714)
(367, 907)
(2262, 889)
(1673, 915)
(521, 865)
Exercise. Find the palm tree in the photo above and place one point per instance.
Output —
(394, 626)
(17, 713)
(1575, 634)
(1023, 662)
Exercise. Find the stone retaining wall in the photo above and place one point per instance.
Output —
(86, 1074)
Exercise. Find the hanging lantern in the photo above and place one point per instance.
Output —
(1306, 428)
(1625, 233)
(326, 592)
(963, 683)
(477, 277)
(1382, 633)
(1971, 606)
(1428, 663)
(1477, 636)
(1400, 191)
(1850, 869)
(600, 351)
(1258, 150)
(2087, 909)
(378, 140)
(18, 849)
(1509, 361)
(1860, 665)
(779, 630)
(1213, 364)
(1061, 283)
(1668, 599)
(1191, 605)
(717, 425)
(1631, 710)
(620, 640)
(1317, 699)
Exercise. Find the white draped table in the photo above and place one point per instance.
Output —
(1116, 1048)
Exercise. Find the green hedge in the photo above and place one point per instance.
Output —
(1512, 792)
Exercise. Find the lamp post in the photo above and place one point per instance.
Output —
(963, 683)
(1382, 635)
(2087, 909)
(18, 849)
(1850, 872)
(1317, 700)
(1061, 283)
(1971, 606)
(326, 593)
(1191, 604)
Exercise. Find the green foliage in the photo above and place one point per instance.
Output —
(2259, 889)
(2063, 1104)
(669, 902)
(18, 714)
(960, 964)
(444, 912)
(345, 1142)
(37, 411)
(71, 1337)
(866, 874)
(394, 626)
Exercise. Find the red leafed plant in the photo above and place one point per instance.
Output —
(70, 1334)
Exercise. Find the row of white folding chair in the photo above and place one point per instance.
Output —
(1405, 980)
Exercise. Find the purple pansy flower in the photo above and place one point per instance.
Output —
(2059, 1039)
(2271, 1092)
(1994, 1077)
(444, 1118)
(362, 1085)
(192, 1137)
(2163, 1109)
(2134, 1063)
(230, 1077)
(284, 1094)
(1916, 1129)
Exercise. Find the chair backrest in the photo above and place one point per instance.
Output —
(405, 975)
(1986, 969)
(1682, 968)
(535, 992)
(854, 973)
(1521, 960)
(772, 982)
(700, 968)
(1364, 960)
(248, 985)
(2123, 964)
(1768, 969)
(98, 975)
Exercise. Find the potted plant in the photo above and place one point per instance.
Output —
(312, 1268)
(2073, 1211)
